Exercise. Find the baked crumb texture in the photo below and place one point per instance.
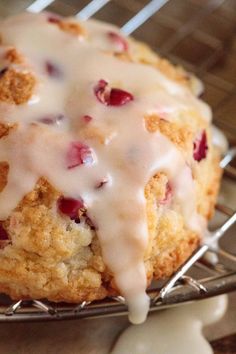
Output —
(48, 255)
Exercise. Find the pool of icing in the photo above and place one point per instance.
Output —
(174, 331)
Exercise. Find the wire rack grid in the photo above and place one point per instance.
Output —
(216, 266)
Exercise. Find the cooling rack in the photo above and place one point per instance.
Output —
(211, 270)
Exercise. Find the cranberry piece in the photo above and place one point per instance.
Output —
(79, 154)
(87, 118)
(101, 183)
(119, 41)
(168, 195)
(70, 206)
(53, 70)
(200, 147)
(3, 71)
(3, 234)
(119, 97)
(52, 119)
(53, 19)
(101, 92)
(47, 120)
(113, 96)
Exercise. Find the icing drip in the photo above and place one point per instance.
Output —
(177, 330)
(111, 144)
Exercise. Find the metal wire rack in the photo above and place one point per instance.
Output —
(218, 272)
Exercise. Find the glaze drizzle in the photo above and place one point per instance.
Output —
(78, 78)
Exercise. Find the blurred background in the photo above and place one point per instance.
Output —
(199, 34)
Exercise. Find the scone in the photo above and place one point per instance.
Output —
(107, 170)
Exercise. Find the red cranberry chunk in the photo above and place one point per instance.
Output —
(200, 147)
(119, 97)
(53, 70)
(101, 183)
(79, 154)
(119, 41)
(87, 118)
(101, 92)
(53, 19)
(3, 71)
(47, 120)
(52, 119)
(113, 96)
(70, 206)
(168, 195)
(3, 234)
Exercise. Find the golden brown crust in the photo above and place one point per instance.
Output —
(53, 257)
(179, 135)
(70, 27)
(167, 263)
(49, 257)
(16, 87)
(13, 56)
(4, 169)
(5, 129)
(143, 53)
(175, 73)
(208, 183)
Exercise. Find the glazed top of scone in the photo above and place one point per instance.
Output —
(85, 114)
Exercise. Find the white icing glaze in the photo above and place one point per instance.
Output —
(197, 86)
(128, 155)
(174, 331)
(219, 139)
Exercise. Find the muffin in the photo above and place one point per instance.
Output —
(108, 174)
